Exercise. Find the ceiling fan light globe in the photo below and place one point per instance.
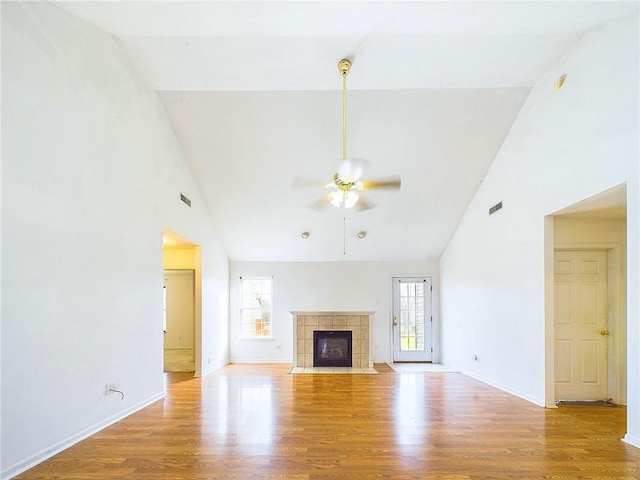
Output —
(350, 199)
(337, 197)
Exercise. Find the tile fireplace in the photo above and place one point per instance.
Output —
(305, 324)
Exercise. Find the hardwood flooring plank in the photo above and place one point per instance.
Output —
(258, 421)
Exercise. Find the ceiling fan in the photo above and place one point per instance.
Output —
(347, 181)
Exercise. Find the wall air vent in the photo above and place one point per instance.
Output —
(495, 208)
(185, 200)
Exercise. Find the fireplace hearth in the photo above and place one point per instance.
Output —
(332, 348)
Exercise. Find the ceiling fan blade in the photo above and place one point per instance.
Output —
(306, 182)
(322, 203)
(364, 205)
(391, 183)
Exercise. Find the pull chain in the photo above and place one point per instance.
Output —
(344, 235)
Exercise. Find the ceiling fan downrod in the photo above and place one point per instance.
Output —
(344, 66)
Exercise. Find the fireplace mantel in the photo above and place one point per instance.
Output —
(359, 322)
(331, 312)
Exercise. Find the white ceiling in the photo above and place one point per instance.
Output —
(253, 92)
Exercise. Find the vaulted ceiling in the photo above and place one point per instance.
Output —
(254, 95)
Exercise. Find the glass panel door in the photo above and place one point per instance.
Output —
(412, 320)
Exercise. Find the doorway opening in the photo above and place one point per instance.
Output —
(179, 320)
(181, 304)
(585, 264)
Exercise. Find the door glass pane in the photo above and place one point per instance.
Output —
(412, 316)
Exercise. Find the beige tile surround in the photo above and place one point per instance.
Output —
(358, 323)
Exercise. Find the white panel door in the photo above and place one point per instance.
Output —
(581, 325)
(412, 320)
(179, 304)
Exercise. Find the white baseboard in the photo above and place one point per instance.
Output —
(632, 440)
(505, 389)
(35, 459)
(211, 369)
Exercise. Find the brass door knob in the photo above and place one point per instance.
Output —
(604, 332)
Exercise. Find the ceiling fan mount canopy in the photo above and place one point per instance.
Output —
(344, 66)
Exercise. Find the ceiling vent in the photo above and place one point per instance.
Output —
(185, 200)
(495, 208)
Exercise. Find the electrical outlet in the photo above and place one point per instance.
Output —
(110, 387)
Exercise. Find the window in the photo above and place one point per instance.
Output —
(255, 309)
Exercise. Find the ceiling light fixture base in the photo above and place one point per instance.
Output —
(344, 66)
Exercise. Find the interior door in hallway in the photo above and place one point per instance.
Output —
(581, 325)
(412, 320)
(179, 304)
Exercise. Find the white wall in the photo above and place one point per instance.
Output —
(565, 146)
(91, 173)
(329, 286)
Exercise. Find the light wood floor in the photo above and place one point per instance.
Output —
(248, 421)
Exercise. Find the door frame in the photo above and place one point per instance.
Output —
(616, 312)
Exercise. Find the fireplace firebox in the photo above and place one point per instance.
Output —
(332, 348)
